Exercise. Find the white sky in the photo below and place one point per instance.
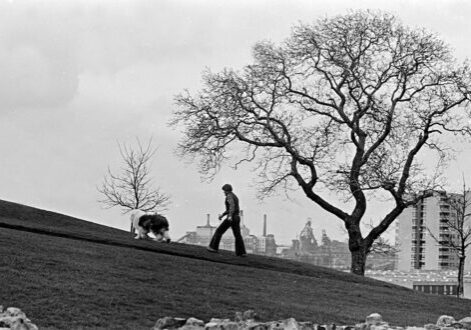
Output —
(78, 76)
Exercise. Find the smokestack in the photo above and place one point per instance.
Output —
(208, 216)
(264, 225)
(241, 217)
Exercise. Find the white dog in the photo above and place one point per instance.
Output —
(144, 223)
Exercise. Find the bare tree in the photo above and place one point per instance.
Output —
(455, 231)
(349, 104)
(381, 245)
(131, 187)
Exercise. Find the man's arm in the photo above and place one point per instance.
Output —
(222, 215)
(231, 202)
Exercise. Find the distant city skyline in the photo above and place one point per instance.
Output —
(80, 76)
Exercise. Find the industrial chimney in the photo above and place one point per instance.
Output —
(208, 216)
(264, 225)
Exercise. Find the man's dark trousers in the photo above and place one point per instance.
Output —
(235, 225)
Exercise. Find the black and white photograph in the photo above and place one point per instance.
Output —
(235, 164)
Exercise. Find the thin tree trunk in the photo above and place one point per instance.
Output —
(459, 293)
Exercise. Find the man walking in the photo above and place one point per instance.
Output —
(232, 220)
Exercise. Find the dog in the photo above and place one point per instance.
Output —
(154, 223)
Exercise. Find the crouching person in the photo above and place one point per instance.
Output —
(143, 223)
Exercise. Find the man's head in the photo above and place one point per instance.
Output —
(227, 188)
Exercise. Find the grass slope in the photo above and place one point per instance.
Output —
(67, 273)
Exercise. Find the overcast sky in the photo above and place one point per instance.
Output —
(78, 76)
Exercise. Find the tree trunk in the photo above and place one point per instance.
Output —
(356, 245)
(460, 291)
(358, 261)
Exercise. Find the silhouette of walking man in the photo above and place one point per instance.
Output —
(232, 220)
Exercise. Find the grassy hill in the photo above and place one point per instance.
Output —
(66, 273)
